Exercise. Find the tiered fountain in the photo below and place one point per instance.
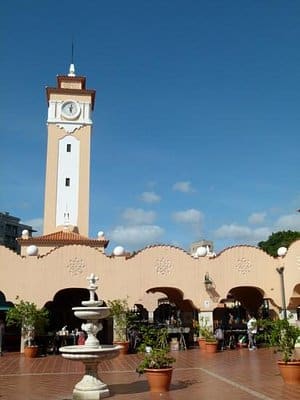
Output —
(92, 352)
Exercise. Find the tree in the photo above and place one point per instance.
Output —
(31, 319)
(119, 310)
(278, 239)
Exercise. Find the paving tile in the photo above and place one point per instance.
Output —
(232, 374)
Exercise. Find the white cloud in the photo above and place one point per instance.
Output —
(184, 187)
(138, 216)
(192, 219)
(288, 222)
(36, 223)
(239, 232)
(190, 216)
(150, 197)
(256, 218)
(137, 236)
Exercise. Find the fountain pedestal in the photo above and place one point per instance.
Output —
(90, 387)
(92, 352)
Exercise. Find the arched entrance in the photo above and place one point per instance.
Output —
(239, 302)
(174, 311)
(174, 297)
(60, 308)
(4, 306)
(294, 301)
(11, 340)
(250, 297)
(233, 312)
(62, 316)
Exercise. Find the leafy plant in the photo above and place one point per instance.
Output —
(156, 359)
(153, 337)
(196, 327)
(205, 331)
(119, 311)
(209, 335)
(29, 318)
(281, 335)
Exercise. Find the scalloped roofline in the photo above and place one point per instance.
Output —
(243, 245)
(71, 245)
(186, 252)
(151, 246)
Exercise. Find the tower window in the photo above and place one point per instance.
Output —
(67, 182)
(68, 148)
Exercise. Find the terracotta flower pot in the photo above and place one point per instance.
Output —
(290, 371)
(211, 347)
(159, 380)
(125, 347)
(31, 351)
(201, 342)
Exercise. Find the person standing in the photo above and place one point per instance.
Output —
(2, 327)
(81, 338)
(252, 331)
(219, 335)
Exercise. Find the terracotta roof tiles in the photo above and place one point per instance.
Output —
(62, 238)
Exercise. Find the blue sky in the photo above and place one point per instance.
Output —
(196, 123)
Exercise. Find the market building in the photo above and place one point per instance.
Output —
(166, 281)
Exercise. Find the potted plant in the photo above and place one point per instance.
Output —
(208, 337)
(157, 364)
(211, 343)
(201, 330)
(196, 330)
(119, 310)
(152, 337)
(31, 320)
(283, 336)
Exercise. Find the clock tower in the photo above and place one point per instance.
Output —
(69, 122)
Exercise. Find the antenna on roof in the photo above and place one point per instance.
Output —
(72, 66)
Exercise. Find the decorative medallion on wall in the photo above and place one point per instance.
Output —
(163, 266)
(76, 266)
(243, 266)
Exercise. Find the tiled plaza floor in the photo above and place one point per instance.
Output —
(229, 375)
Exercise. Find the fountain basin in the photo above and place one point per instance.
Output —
(92, 303)
(90, 387)
(89, 313)
(104, 351)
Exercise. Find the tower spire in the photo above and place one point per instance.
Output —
(72, 66)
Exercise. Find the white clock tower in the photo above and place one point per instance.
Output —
(69, 122)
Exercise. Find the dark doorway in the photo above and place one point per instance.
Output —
(60, 309)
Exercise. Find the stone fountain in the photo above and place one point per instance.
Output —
(92, 352)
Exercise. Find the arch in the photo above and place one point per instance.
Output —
(240, 301)
(60, 308)
(294, 301)
(175, 296)
(175, 311)
(4, 305)
(250, 297)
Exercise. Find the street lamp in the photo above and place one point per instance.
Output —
(281, 252)
(208, 283)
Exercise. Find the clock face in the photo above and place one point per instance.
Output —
(70, 109)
